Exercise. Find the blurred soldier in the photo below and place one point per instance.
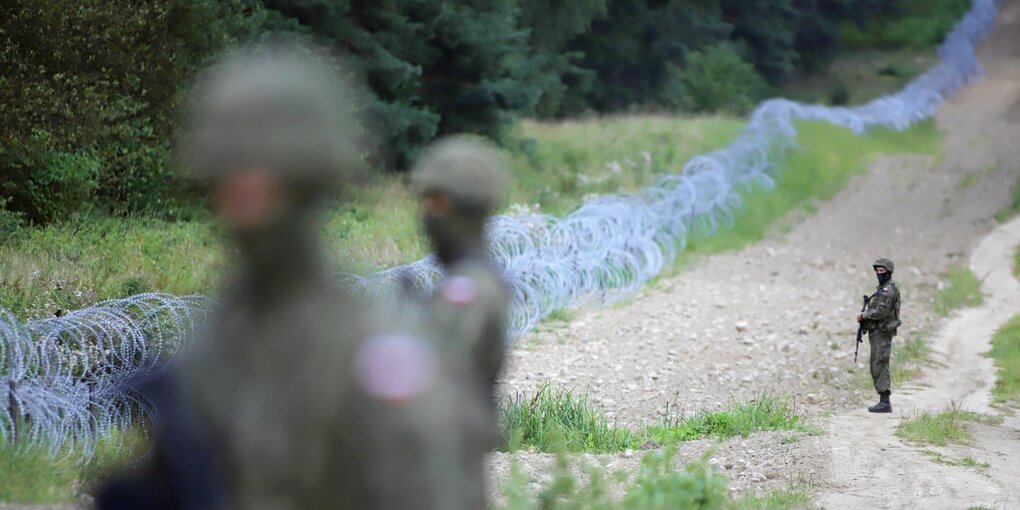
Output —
(460, 182)
(880, 320)
(306, 402)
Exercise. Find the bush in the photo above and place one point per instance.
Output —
(91, 81)
(915, 24)
(714, 80)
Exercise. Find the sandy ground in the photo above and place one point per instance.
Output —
(778, 317)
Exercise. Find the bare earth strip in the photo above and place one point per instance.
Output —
(677, 344)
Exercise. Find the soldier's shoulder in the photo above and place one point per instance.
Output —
(889, 288)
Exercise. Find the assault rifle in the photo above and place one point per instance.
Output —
(860, 328)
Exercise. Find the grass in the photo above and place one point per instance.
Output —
(90, 257)
(1016, 261)
(1013, 208)
(767, 412)
(949, 461)
(962, 289)
(940, 429)
(658, 484)
(968, 181)
(555, 420)
(1006, 354)
(782, 499)
(29, 475)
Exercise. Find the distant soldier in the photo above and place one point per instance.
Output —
(304, 399)
(880, 319)
(460, 182)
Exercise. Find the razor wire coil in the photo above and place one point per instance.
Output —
(65, 379)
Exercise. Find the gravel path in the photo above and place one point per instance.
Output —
(778, 316)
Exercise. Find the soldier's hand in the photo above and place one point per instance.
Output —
(859, 316)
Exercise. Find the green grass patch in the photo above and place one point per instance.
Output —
(1013, 208)
(28, 474)
(939, 458)
(1006, 354)
(766, 412)
(962, 289)
(941, 428)
(1016, 262)
(782, 499)
(968, 181)
(555, 420)
(658, 484)
(558, 420)
(907, 359)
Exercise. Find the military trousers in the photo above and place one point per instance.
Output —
(881, 350)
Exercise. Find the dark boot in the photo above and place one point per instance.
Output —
(883, 405)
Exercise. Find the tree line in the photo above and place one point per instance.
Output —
(90, 89)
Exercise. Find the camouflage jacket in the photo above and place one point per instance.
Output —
(883, 312)
(468, 317)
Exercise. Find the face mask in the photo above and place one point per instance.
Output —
(883, 277)
(452, 238)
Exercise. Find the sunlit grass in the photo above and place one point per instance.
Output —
(942, 428)
(28, 474)
(1006, 353)
(962, 289)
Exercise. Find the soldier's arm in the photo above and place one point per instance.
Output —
(881, 306)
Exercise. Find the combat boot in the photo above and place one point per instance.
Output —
(883, 405)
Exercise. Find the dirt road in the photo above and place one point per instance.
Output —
(779, 317)
(871, 468)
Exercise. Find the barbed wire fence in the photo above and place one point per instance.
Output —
(67, 378)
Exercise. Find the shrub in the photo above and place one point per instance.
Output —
(717, 79)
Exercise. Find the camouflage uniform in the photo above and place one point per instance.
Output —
(306, 399)
(880, 320)
(467, 315)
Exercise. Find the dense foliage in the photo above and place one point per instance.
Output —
(90, 88)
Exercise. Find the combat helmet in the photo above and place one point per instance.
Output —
(466, 169)
(280, 107)
(884, 262)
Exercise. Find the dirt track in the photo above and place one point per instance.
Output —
(778, 317)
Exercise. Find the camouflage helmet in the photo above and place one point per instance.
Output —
(466, 169)
(279, 107)
(884, 262)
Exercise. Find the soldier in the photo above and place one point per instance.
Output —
(306, 401)
(880, 320)
(460, 182)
